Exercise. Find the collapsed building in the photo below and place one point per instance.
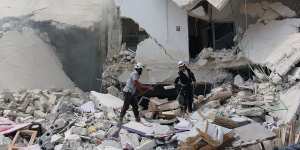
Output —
(245, 56)
(56, 44)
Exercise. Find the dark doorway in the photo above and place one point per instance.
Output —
(201, 35)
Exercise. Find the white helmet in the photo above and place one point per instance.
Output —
(180, 64)
(139, 66)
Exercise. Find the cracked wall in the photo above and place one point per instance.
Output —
(80, 33)
(167, 27)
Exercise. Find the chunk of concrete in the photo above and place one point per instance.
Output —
(88, 107)
(106, 100)
(247, 136)
(59, 147)
(129, 140)
(39, 114)
(263, 44)
(250, 112)
(100, 134)
(4, 140)
(219, 4)
(32, 147)
(79, 131)
(146, 145)
(238, 80)
(283, 10)
(109, 145)
(114, 91)
(72, 141)
(56, 138)
(138, 128)
(183, 124)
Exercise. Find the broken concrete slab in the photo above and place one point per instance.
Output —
(56, 138)
(219, 4)
(30, 54)
(262, 44)
(129, 140)
(183, 125)
(255, 111)
(247, 136)
(283, 10)
(139, 128)
(186, 3)
(112, 90)
(109, 145)
(146, 145)
(4, 140)
(106, 100)
(88, 107)
(79, 131)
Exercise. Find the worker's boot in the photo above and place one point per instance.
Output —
(138, 119)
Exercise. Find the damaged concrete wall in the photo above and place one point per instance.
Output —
(28, 62)
(80, 32)
(167, 27)
(275, 45)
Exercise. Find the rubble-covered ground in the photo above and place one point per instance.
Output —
(46, 53)
(251, 113)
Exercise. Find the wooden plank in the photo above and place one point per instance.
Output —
(192, 143)
(253, 147)
(225, 122)
(297, 137)
(208, 139)
(292, 133)
(33, 135)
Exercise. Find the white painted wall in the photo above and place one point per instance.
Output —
(83, 13)
(159, 18)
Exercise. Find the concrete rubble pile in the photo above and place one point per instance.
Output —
(224, 58)
(267, 11)
(62, 42)
(267, 102)
(123, 61)
(63, 119)
(259, 112)
(71, 119)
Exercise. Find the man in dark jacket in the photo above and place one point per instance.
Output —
(186, 82)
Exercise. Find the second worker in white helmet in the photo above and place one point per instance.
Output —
(185, 82)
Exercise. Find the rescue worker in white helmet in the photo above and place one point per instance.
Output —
(185, 82)
(132, 90)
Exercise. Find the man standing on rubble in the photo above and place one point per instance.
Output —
(185, 82)
(132, 90)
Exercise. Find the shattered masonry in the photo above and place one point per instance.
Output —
(52, 52)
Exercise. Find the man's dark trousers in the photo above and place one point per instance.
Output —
(130, 99)
(188, 98)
